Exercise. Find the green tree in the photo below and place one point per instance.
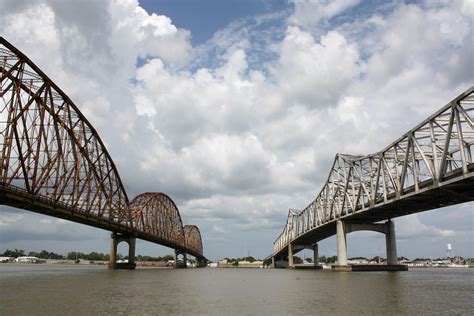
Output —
(167, 258)
(377, 259)
(73, 255)
(95, 256)
(44, 254)
(33, 254)
(14, 253)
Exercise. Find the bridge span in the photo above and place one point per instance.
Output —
(53, 162)
(429, 167)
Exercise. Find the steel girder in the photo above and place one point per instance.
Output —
(435, 154)
(49, 149)
(156, 216)
(192, 237)
(53, 162)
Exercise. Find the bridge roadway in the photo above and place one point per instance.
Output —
(19, 198)
(53, 162)
(425, 169)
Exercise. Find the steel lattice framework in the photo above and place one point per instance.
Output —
(53, 161)
(155, 214)
(49, 149)
(429, 167)
(192, 237)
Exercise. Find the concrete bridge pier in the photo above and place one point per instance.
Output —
(291, 263)
(117, 238)
(180, 262)
(391, 243)
(315, 254)
(387, 228)
(201, 263)
(341, 243)
(293, 248)
(279, 261)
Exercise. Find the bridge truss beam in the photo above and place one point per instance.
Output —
(53, 162)
(428, 167)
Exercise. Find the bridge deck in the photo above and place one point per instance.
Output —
(53, 162)
(18, 198)
(428, 167)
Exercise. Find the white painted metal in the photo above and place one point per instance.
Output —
(427, 155)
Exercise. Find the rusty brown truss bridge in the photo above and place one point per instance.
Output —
(53, 162)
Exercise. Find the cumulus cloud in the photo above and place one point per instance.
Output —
(315, 72)
(9, 219)
(313, 14)
(412, 227)
(245, 126)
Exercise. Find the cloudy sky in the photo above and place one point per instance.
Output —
(236, 108)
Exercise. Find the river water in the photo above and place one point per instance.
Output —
(85, 290)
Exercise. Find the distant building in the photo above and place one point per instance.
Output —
(248, 264)
(358, 261)
(26, 259)
(224, 263)
(7, 259)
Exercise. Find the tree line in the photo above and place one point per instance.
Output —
(74, 255)
(43, 254)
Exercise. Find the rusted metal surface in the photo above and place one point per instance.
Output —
(429, 167)
(192, 237)
(156, 214)
(53, 161)
(49, 149)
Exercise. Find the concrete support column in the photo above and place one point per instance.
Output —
(201, 263)
(341, 244)
(391, 243)
(290, 256)
(273, 262)
(179, 264)
(131, 241)
(315, 254)
(113, 253)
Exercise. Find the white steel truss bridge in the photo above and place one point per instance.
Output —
(429, 167)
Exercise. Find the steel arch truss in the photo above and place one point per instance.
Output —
(156, 217)
(49, 149)
(437, 153)
(155, 214)
(192, 237)
(53, 162)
